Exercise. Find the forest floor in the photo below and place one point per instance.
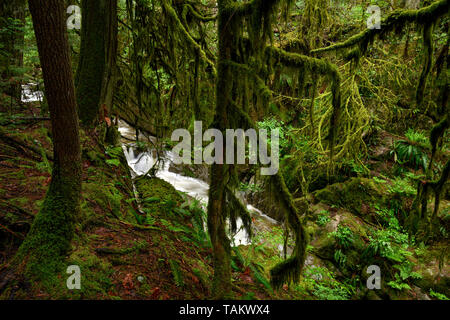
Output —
(156, 250)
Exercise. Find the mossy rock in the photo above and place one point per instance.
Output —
(358, 195)
(107, 196)
(156, 195)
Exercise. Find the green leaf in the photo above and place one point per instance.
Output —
(113, 162)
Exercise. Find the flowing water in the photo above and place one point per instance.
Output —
(31, 95)
(141, 162)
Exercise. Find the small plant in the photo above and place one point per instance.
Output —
(344, 236)
(323, 218)
(411, 152)
(389, 244)
(252, 187)
(356, 167)
(405, 273)
(402, 187)
(323, 285)
(176, 272)
(388, 217)
(114, 153)
(340, 257)
(417, 137)
(438, 295)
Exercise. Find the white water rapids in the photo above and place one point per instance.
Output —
(141, 162)
(29, 94)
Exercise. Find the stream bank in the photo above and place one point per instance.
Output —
(142, 161)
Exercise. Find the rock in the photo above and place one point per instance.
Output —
(420, 294)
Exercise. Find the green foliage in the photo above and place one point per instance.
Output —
(405, 273)
(249, 296)
(344, 236)
(260, 278)
(252, 187)
(323, 218)
(115, 154)
(412, 151)
(272, 124)
(176, 273)
(388, 218)
(356, 167)
(402, 187)
(198, 219)
(389, 244)
(416, 136)
(323, 285)
(113, 162)
(340, 257)
(438, 295)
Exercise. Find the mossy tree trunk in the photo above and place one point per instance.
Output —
(97, 63)
(217, 202)
(43, 251)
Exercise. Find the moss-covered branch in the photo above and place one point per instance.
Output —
(290, 269)
(197, 15)
(394, 20)
(261, 87)
(172, 13)
(315, 66)
(428, 57)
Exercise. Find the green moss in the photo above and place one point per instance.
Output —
(159, 191)
(96, 275)
(107, 196)
(428, 60)
(42, 253)
(394, 20)
(352, 194)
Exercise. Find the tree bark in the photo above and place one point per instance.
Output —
(97, 63)
(49, 239)
(217, 202)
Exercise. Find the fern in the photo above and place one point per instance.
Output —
(260, 278)
(411, 151)
(176, 272)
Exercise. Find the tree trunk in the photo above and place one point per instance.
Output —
(49, 239)
(216, 206)
(97, 63)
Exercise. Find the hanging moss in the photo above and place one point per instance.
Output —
(437, 132)
(289, 270)
(322, 67)
(173, 15)
(396, 19)
(428, 58)
(420, 223)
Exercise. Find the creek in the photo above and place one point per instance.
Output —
(140, 162)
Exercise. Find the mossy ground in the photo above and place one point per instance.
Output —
(154, 250)
(123, 252)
